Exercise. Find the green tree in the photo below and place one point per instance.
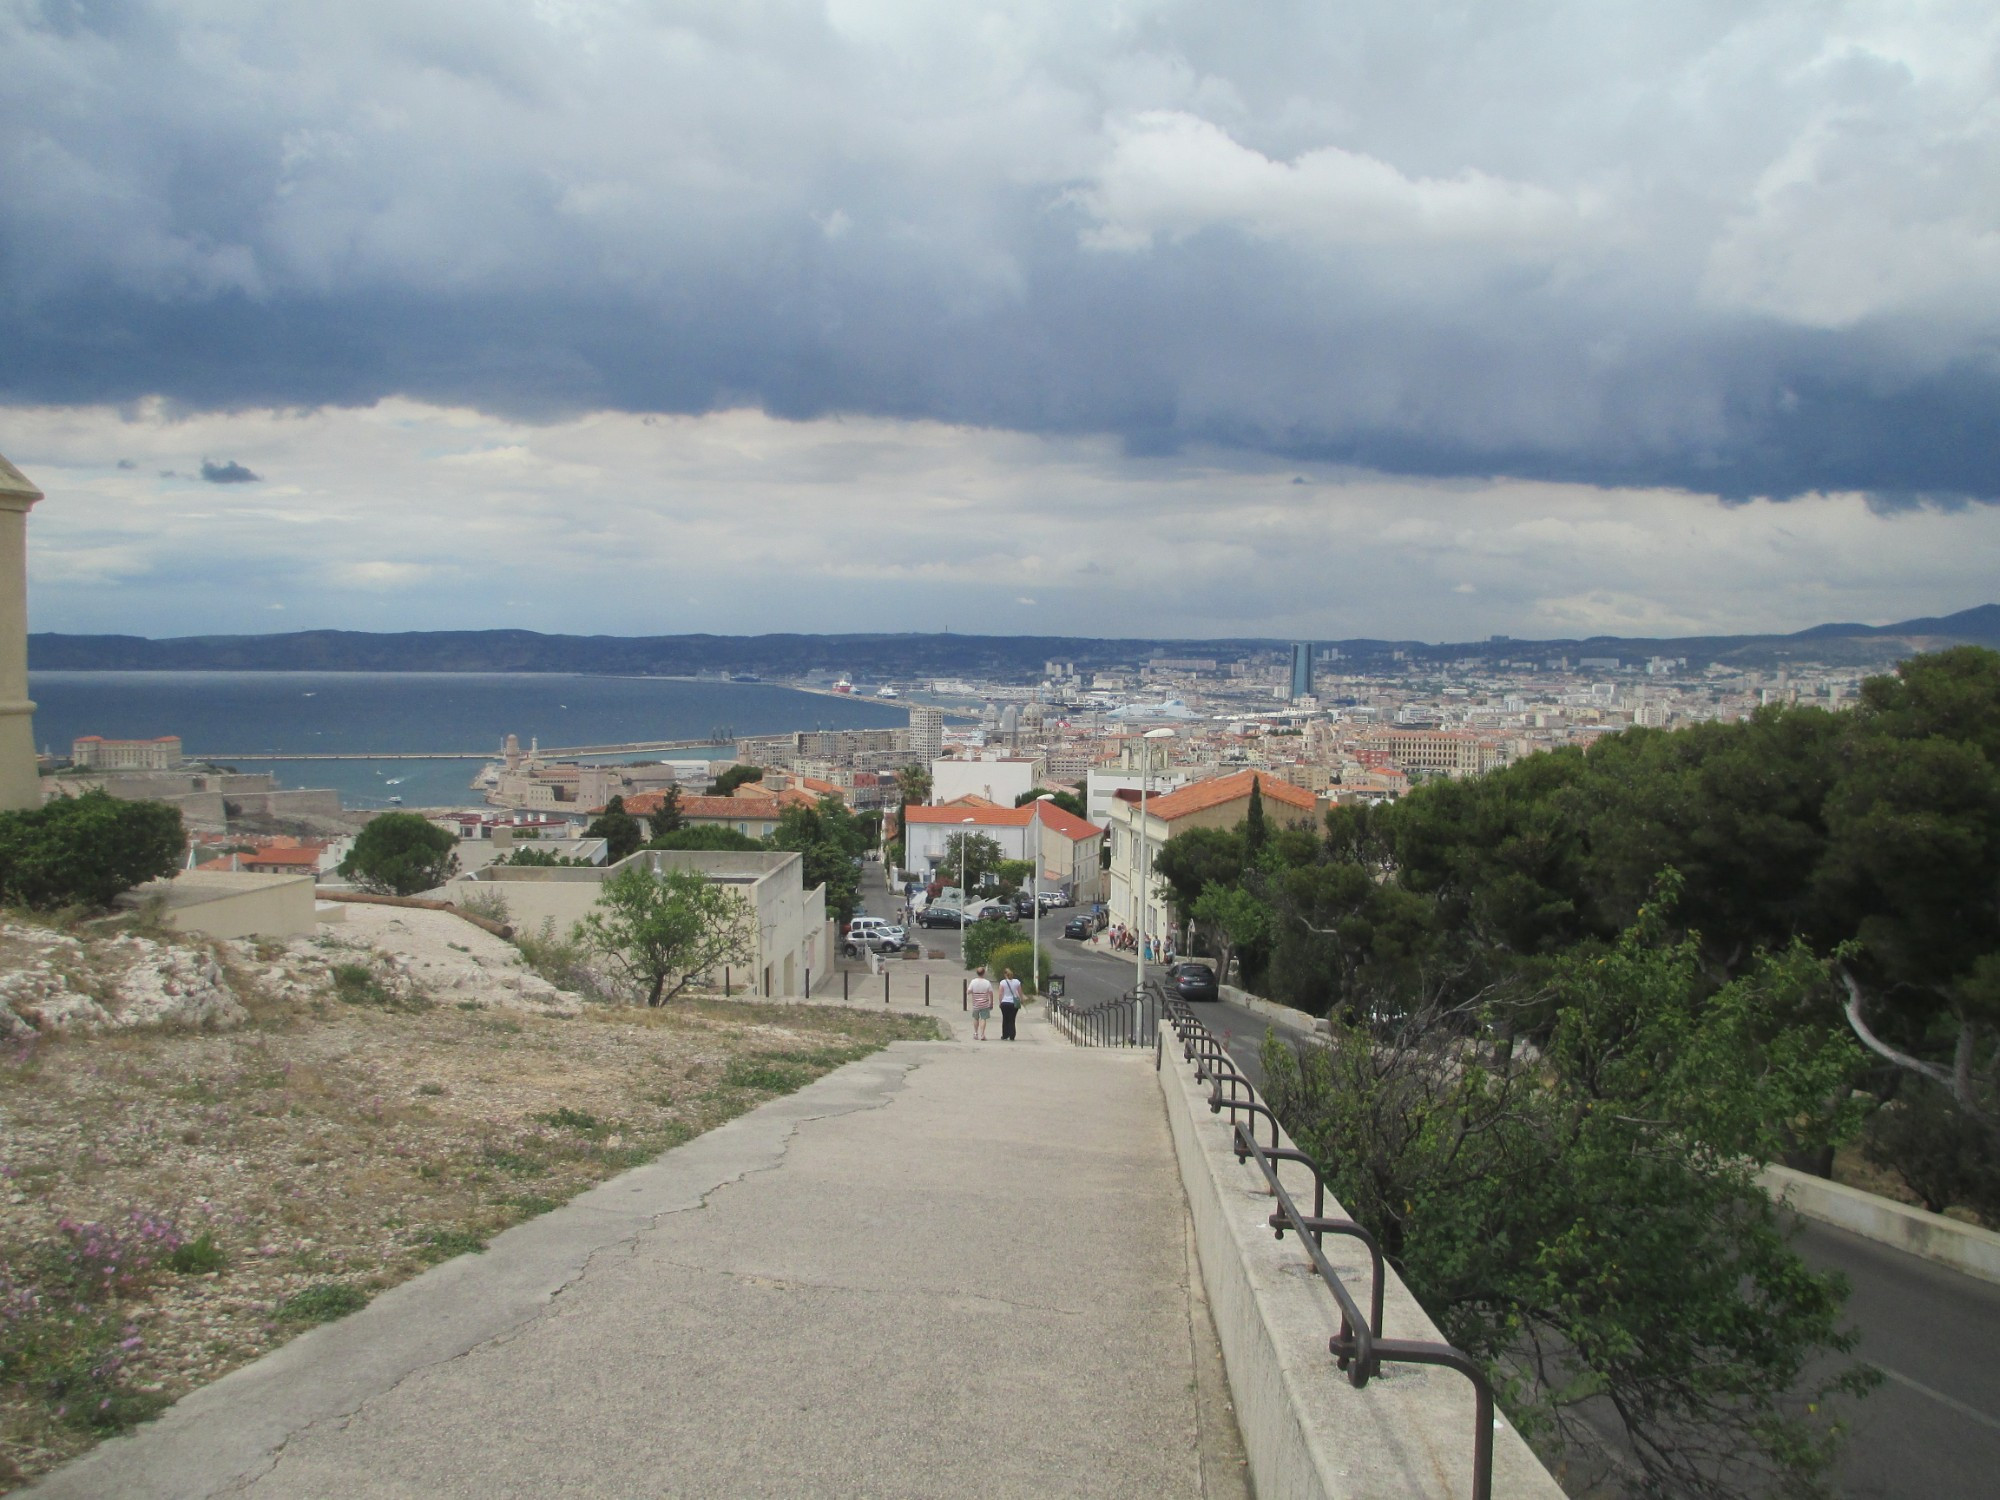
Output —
(986, 937)
(400, 854)
(666, 818)
(706, 836)
(913, 784)
(1254, 831)
(734, 776)
(1588, 1224)
(662, 930)
(1191, 862)
(1230, 918)
(86, 850)
(1912, 865)
(981, 855)
(1014, 874)
(829, 839)
(1069, 802)
(620, 831)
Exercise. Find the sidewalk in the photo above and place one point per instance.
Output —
(950, 1269)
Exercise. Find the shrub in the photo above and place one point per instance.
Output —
(97, 1262)
(357, 984)
(984, 938)
(444, 1244)
(321, 1302)
(85, 850)
(564, 961)
(1021, 957)
(198, 1256)
(485, 902)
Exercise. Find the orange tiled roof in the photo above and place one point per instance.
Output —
(990, 815)
(1225, 789)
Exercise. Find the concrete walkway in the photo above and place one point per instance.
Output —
(950, 1269)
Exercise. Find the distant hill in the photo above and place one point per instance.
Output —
(934, 655)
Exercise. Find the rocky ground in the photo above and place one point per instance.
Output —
(206, 1147)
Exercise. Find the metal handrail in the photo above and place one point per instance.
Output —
(1124, 1020)
(1359, 1349)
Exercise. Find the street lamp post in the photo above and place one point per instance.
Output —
(1145, 863)
(964, 840)
(1035, 938)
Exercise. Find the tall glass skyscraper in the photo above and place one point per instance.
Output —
(1302, 670)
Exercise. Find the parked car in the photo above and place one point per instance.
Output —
(1052, 899)
(1080, 927)
(865, 932)
(1195, 982)
(938, 915)
(990, 910)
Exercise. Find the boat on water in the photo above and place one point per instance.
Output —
(395, 801)
(885, 691)
(843, 686)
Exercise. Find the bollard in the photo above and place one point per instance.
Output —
(885, 986)
(725, 981)
(927, 989)
(844, 976)
(964, 986)
(809, 982)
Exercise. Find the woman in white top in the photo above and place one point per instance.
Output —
(979, 994)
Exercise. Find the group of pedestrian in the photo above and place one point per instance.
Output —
(1125, 940)
(980, 993)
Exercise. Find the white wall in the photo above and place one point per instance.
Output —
(998, 781)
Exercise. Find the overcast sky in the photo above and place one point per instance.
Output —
(1328, 319)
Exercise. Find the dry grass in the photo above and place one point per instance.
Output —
(336, 1149)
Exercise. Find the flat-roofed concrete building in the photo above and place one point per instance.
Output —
(790, 934)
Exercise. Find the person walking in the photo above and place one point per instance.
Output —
(979, 994)
(1010, 1005)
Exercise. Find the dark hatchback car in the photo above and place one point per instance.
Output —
(1195, 982)
(1079, 927)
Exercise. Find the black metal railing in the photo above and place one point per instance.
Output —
(1359, 1348)
(1128, 1020)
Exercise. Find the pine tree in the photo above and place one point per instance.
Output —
(1254, 832)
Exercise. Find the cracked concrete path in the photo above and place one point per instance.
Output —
(948, 1269)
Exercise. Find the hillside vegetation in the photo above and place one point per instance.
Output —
(1577, 1002)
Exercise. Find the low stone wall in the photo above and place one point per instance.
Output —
(1963, 1247)
(1309, 1434)
(306, 802)
(1284, 1015)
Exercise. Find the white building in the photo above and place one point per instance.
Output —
(999, 780)
(93, 752)
(1066, 845)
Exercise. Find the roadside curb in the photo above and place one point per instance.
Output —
(1916, 1231)
(1298, 1020)
(1308, 1433)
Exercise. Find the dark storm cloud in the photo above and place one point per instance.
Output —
(228, 473)
(1601, 244)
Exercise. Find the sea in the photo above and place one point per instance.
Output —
(389, 715)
